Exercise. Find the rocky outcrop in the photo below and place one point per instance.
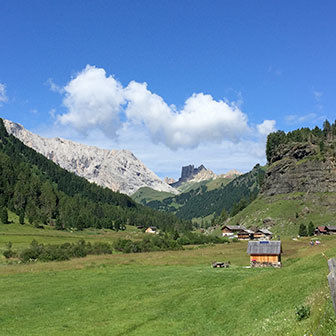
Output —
(300, 168)
(192, 174)
(118, 170)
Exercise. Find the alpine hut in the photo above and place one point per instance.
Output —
(264, 253)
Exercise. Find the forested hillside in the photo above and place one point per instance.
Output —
(36, 188)
(200, 202)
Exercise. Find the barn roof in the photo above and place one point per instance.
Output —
(265, 231)
(331, 227)
(322, 228)
(234, 227)
(264, 247)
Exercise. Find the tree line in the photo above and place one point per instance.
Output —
(38, 190)
(320, 137)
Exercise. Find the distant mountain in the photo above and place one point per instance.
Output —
(118, 170)
(207, 197)
(37, 189)
(192, 174)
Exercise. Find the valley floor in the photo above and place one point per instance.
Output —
(169, 293)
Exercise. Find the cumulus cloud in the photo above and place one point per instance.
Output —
(202, 118)
(267, 127)
(3, 96)
(94, 100)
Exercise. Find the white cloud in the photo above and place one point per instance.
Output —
(202, 118)
(93, 101)
(268, 126)
(3, 96)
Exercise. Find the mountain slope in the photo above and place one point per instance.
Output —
(201, 201)
(300, 182)
(35, 187)
(118, 170)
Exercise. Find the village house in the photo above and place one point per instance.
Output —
(264, 253)
(263, 234)
(232, 230)
(151, 229)
(245, 234)
(325, 229)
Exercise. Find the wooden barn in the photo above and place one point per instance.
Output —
(263, 234)
(245, 234)
(232, 230)
(264, 253)
(325, 229)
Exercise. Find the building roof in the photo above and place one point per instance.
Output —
(322, 228)
(152, 228)
(234, 227)
(264, 247)
(248, 231)
(265, 231)
(331, 227)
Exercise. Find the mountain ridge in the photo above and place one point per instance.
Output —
(118, 170)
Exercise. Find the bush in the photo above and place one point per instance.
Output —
(302, 312)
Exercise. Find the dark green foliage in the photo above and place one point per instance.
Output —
(201, 203)
(302, 312)
(315, 136)
(21, 217)
(66, 251)
(303, 230)
(44, 192)
(152, 243)
(311, 229)
(9, 253)
(4, 215)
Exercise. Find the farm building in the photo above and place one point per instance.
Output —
(263, 234)
(325, 229)
(245, 234)
(232, 230)
(151, 229)
(264, 253)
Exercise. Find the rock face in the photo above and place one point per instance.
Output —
(300, 168)
(118, 170)
(192, 174)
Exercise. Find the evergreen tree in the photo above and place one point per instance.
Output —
(4, 216)
(21, 218)
(302, 230)
(311, 229)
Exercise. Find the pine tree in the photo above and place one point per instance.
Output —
(4, 216)
(21, 218)
(311, 229)
(302, 230)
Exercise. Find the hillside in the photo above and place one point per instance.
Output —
(211, 197)
(37, 189)
(300, 182)
(118, 170)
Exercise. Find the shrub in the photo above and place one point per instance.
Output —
(302, 312)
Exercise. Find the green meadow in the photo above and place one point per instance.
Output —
(164, 293)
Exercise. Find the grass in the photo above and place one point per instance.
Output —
(289, 211)
(148, 194)
(170, 293)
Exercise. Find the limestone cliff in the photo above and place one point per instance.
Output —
(300, 167)
(118, 170)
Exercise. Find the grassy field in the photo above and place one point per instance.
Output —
(167, 293)
(289, 211)
(22, 235)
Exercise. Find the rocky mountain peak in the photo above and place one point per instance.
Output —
(118, 170)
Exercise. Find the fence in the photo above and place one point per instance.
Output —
(332, 280)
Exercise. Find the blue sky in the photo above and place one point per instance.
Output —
(219, 74)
